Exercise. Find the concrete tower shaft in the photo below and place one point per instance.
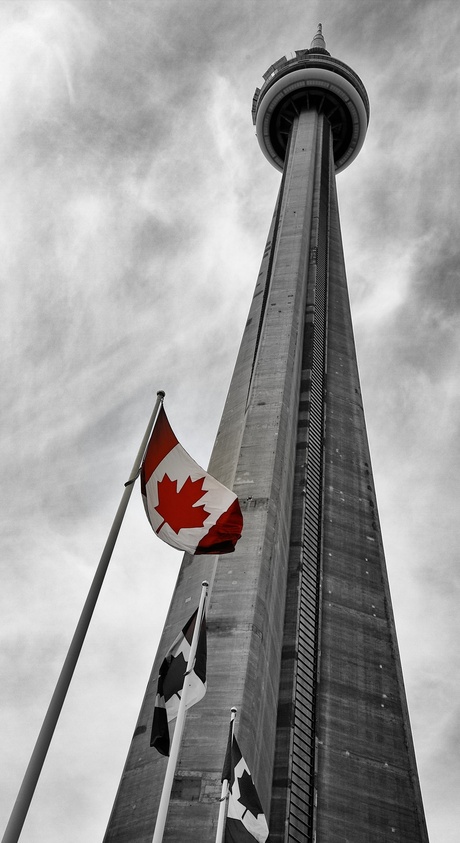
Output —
(301, 636)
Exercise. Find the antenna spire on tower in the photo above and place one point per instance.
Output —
(318, 40)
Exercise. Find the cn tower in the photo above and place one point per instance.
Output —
(301, 636)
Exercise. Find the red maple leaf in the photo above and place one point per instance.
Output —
(176, 507)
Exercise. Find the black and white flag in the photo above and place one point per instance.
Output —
(171, 682)
(245, 817)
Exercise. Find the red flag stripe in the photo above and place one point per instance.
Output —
(187, 507)
(220, 538)
(161, 443)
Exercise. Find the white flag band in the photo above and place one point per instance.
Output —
(187, 507)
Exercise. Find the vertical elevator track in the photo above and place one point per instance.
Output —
(306, 532)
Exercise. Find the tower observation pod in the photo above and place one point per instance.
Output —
(301, 635)
(313, 81)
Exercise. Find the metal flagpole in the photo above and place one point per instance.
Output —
(27, 789)
(225, 786)
(180, 722)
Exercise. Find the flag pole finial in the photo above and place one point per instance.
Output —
(161, 394)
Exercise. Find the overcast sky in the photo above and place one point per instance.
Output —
(134, 208)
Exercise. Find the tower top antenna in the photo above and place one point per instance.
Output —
(318, 41)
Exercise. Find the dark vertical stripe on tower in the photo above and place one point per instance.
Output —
(302, 772)
(293, 791)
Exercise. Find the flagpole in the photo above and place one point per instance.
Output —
(29, 783)
(179, 728)
(225, 787)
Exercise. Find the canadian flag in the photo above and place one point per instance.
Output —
(186, 507)
(246, 821)
(171, 682)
